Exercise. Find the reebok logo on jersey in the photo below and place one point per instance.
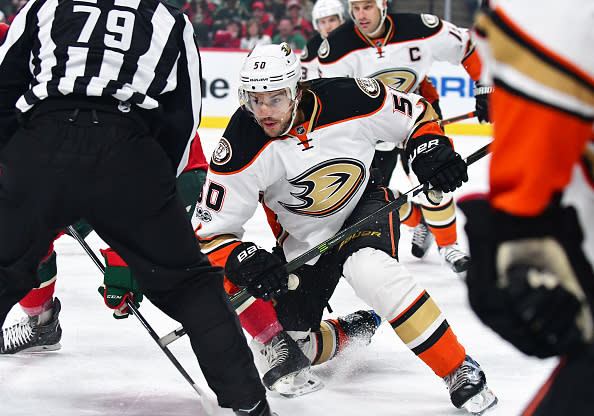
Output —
(222, 152)
(327, 187)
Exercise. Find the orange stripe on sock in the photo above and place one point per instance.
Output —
(445, 236)
(414, 218)
(445, 355)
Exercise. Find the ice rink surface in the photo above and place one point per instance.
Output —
(109, 367)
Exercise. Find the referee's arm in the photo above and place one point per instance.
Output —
(180, 124)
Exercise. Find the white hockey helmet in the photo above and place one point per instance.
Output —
(325, 8)
(380, 5)
(270, 68)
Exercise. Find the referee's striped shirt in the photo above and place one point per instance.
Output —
(141, 52)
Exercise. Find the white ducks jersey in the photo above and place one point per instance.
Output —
(403, 56)
(311, 179)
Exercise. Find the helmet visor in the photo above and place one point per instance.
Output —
(273, 102)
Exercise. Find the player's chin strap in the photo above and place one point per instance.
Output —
(207, 402)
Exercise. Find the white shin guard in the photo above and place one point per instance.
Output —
(381, 281)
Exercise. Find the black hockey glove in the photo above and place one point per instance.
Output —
(260, 272)
(189, 186)
(435, 162)
(481, 97)
(528, 276)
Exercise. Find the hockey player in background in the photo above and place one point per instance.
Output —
(326, 16)
(305, 151)
(531, 237)
(399, 49)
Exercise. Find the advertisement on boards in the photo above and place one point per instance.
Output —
(220, 80)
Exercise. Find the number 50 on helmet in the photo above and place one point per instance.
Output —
(269, 68)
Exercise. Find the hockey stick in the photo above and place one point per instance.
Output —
(457, 118)
(241, 296)
(205, 402)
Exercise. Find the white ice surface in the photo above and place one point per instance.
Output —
(109, 367)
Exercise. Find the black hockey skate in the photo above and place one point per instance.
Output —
(421, 240)
(288, 372)
(28, 336)
(455, 258)
(358, 326)
(468, 388)
(260, 408)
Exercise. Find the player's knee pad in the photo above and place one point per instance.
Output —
(381, 281)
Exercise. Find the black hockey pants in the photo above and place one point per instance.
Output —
(106, 168)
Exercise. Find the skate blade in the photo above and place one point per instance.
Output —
(41, 348)
(297, 384)
(480, 402)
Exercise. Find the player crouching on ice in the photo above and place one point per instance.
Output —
(305, 150)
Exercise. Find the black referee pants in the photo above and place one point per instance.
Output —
(54, 172)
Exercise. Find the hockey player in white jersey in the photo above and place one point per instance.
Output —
(400, 49)
(326, 16)
(531, 237)
(305, 151)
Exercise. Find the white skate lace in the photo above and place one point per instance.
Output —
(467, 373)
(452, 254)
(276, 353)
(17, 335)
(419, 235)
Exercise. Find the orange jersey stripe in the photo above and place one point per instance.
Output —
(219, 258)
(473, 66)
(531, 161)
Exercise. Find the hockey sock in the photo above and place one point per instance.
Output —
(441, 221)
(39, 301)
(410, 214)
(330, 340)
(259, 319)
(424, 329)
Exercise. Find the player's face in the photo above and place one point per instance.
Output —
(367, 16)
(328, 24)
(273, 110)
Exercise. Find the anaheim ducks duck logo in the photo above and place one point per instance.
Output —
(286, 48)
(401, 79)
(327, 187)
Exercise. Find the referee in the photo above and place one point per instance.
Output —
(99, 102)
